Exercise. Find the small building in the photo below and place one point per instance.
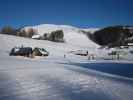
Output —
(21, 51)
(40, 52)
(28, 52)
(80, 52)
(130, 44)
(117, 54)
(37, 36)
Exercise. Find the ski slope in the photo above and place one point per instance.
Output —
(72, 35)
(55, 77)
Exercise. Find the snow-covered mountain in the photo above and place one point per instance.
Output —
(72, 35)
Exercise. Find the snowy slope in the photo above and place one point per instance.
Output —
(55, 77)
(58, 78)
(72, 35)
(9, 42)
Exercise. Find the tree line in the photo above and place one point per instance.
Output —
(113, 36)
(18, 32)
(56, 36)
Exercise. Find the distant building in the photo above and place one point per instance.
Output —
(116, 54)
(130, 44)
(37, 36)
(40, 52)
(80, 52)
(21, 51)
(28, 52)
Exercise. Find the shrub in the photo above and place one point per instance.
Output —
(8, 30)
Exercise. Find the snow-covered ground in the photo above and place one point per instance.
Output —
(58, 78)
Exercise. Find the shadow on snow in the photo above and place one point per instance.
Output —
(121, 69)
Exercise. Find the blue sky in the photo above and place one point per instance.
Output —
(80, 13)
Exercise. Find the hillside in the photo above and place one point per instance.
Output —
(72, 35)
(56, 77)
(113, 36)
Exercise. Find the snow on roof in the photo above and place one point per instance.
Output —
(36, 36)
